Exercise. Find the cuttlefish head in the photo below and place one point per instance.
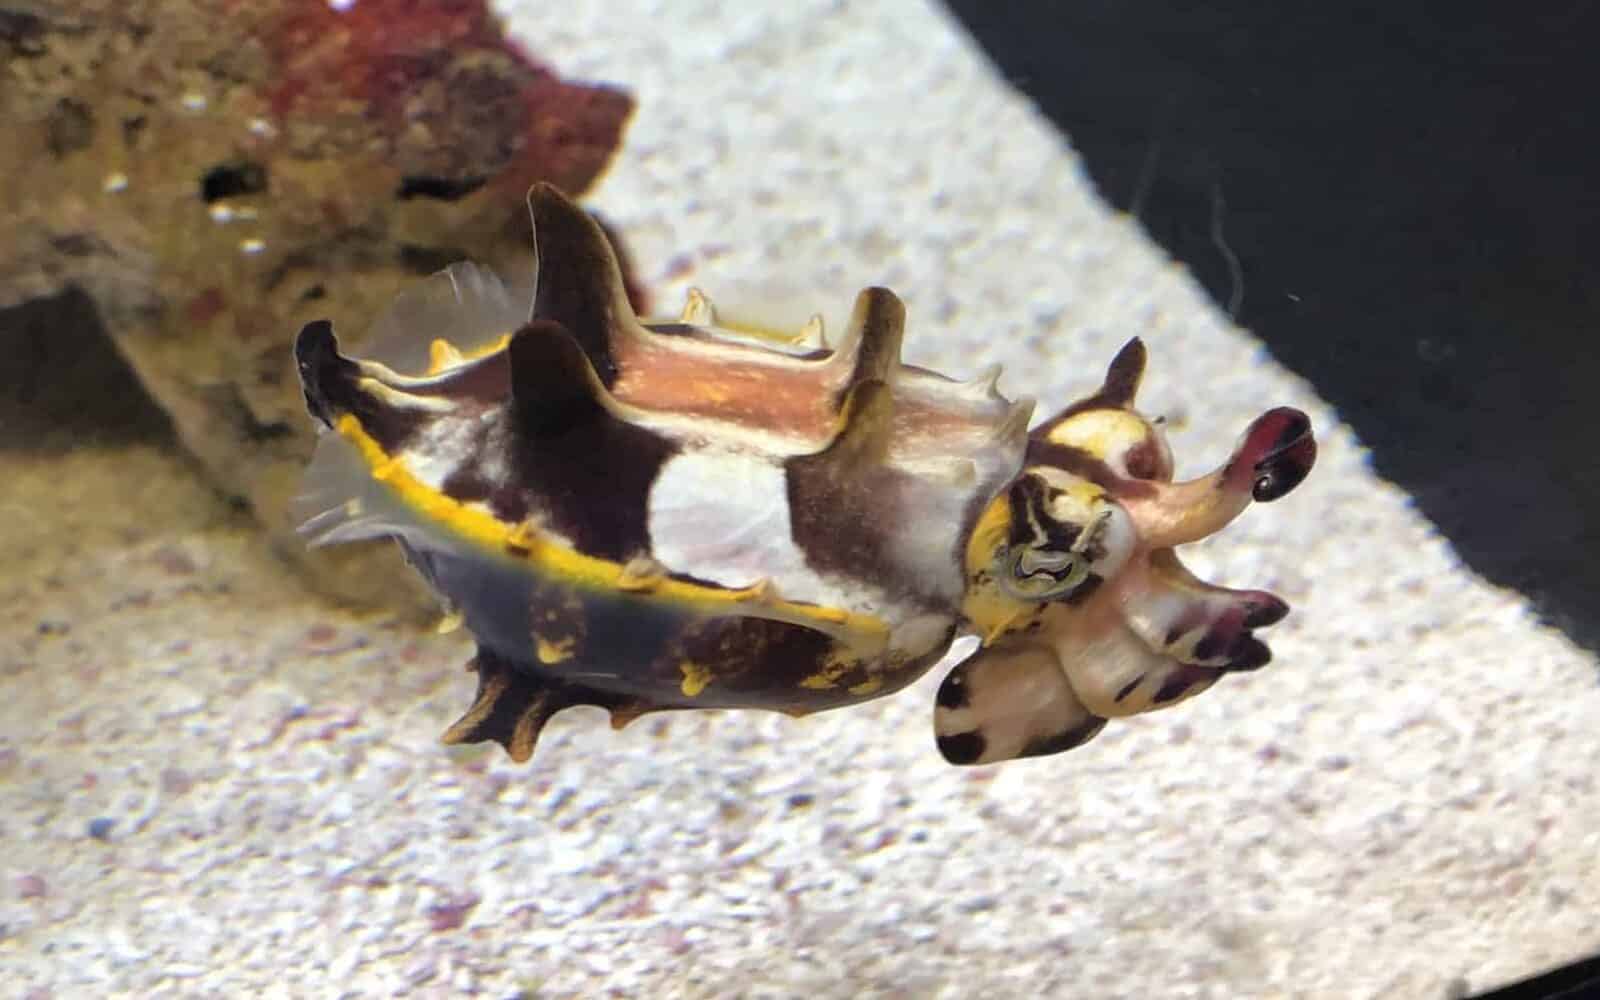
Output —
(1073, 584)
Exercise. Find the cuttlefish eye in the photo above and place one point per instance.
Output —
(1065, 536)
(1041, 574)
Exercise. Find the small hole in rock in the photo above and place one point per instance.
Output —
(70, 127)
(133, 130)
(440, 188)
(230, 180)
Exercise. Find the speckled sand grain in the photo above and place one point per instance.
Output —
(1403, 804)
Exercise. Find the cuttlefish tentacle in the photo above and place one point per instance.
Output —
(1275, 455)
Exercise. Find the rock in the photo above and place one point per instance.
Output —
(215, 173)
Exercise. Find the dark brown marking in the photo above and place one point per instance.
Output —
(1173, 689)
(1081, 463)
(842, 500)
(749, 655)
(1128, 688)
(1030, 501)
(1229, 636)
(962, 748)
(1249, 654)
(845, 529)
(1269, 610)
(468, 484)
(1211, 645)
(953, 693)
(509, 502)
(1067, 739)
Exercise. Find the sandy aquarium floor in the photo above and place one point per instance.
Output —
(212, 784)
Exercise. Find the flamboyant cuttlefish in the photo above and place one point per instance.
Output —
(645, 516)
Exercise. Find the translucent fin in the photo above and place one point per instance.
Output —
(341, 502)
(465, 305)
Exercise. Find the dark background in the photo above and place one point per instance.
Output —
(1412, 198)
(1402, 203)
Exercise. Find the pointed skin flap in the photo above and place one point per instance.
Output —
(553, 385)
(871, 345)
(580, 284)
(1123, 375)
(326, 376)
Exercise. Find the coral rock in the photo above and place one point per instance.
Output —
(214, 172)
